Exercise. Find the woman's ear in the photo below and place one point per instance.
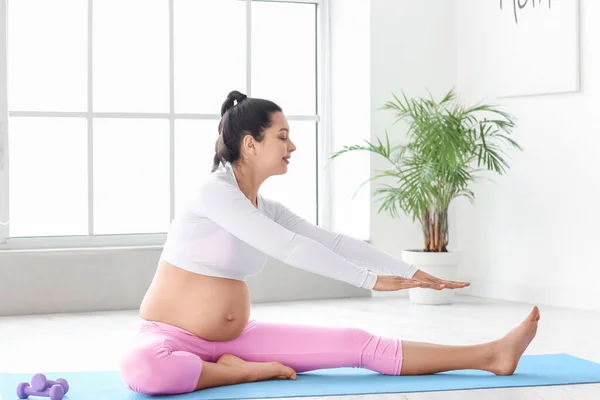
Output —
(249, 145)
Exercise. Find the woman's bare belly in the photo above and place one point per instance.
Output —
(215, 309)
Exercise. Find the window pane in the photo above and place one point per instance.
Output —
(297, 189)
(194, 152)
(47, 55)
(284, 55)
(48, 176)
(131, 56)
(131, 176)
(210, 53)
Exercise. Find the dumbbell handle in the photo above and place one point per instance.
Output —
(60, 382)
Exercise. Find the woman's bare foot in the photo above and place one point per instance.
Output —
(508, 350)
(258, 371)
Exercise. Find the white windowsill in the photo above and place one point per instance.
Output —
(82, 249)
(83, 243)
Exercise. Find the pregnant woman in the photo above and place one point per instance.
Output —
(196, 331)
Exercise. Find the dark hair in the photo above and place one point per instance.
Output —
(240, 116)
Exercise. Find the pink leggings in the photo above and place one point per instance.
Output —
(168, 360)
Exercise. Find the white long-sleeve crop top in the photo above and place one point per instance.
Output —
(220, 233)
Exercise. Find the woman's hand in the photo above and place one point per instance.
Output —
(420, 279)
(388, 283)
(425, 277)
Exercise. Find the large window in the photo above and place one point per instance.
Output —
(109, 109)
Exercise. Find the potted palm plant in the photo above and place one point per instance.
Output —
(449, 146)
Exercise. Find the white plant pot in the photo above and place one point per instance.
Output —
(441, 265)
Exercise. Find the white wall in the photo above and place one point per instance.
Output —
(412, 50)
(533, 235)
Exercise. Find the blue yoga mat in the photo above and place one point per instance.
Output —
(533, 370)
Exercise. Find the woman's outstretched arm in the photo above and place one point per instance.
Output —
(352, 249)
(228, 207)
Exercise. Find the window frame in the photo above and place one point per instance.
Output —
(321, 118)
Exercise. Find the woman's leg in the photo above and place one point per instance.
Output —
(305, 348)
(230, 370)
(157, 365)
(500, 356)
(168, 360)
(177, 362)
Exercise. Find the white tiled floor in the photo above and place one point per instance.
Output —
(95, 341)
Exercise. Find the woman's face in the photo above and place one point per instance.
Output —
(273, 152)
